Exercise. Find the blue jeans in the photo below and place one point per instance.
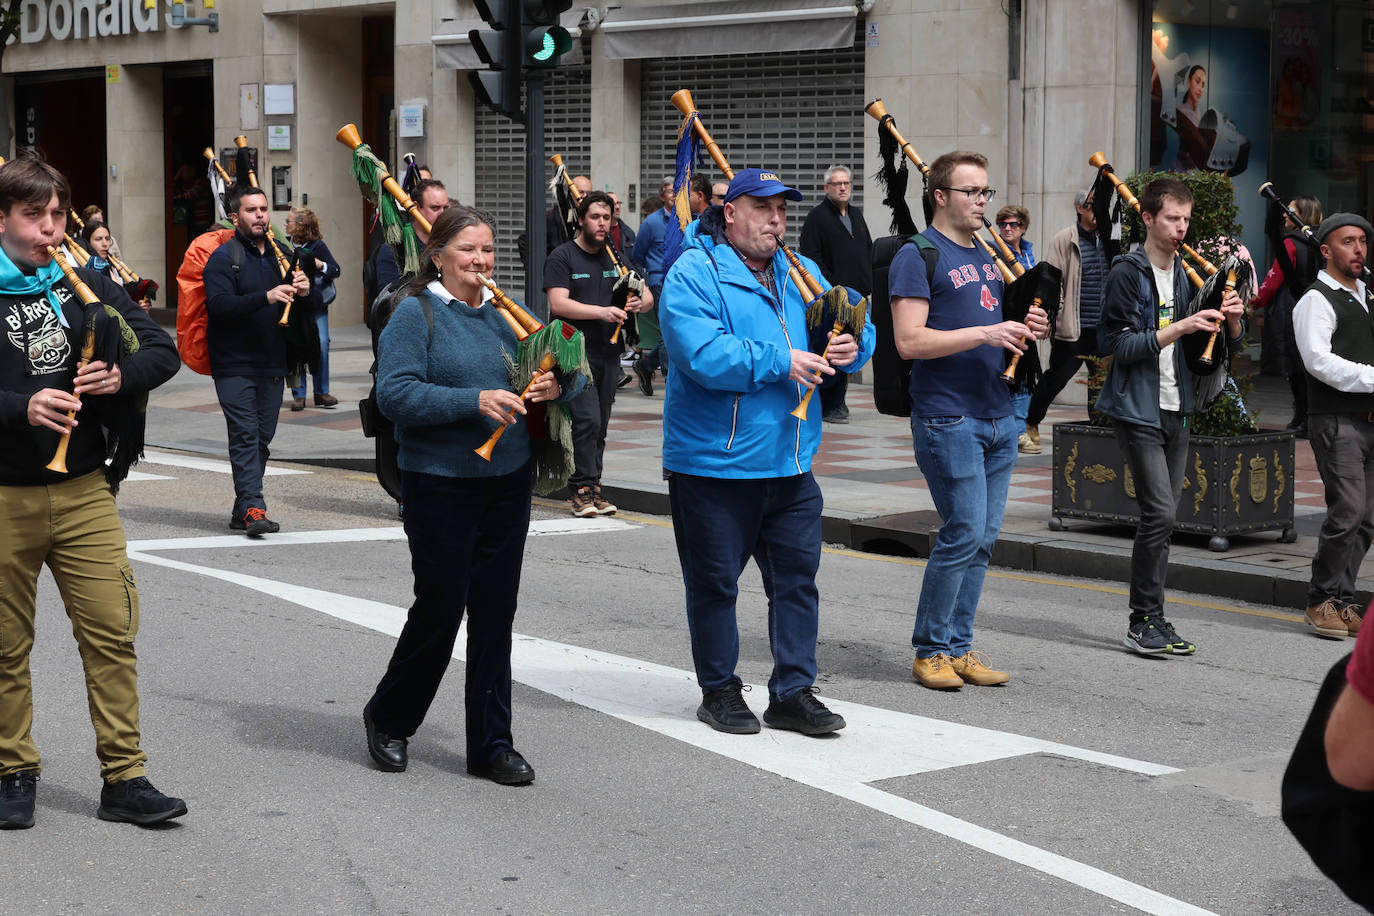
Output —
(967, 463)
(719, 524)
(322, 377)
(250, 407)
(1020, 405)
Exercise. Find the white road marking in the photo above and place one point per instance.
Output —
(878, 743)
(219, 466)
(539, 527)
(143, 475)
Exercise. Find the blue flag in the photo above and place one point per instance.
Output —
(688, 155)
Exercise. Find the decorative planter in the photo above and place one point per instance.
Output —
(1232, 485)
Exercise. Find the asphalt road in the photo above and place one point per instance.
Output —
(1095, 782)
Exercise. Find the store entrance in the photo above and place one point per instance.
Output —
(187, 129)
(63, 115)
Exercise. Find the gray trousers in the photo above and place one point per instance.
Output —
(1157, 459)
(1344, 447)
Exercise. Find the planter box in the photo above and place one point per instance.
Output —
(1231, 485)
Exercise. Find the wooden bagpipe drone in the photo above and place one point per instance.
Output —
(1036, 288)
(834, 308)
(556, 347)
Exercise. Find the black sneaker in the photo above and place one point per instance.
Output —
(725, 711)
(1146, 638)
(646, 378)
(1177, 644)
(237, 523)
(135, 801)
(18, 792)
(802, 712)
(256, 523)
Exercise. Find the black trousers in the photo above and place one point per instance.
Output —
(467, 541)
(591, 415)
(1066, 356)
(1157, 457)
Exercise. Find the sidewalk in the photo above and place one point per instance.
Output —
(875, 498)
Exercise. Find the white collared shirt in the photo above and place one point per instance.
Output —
(1314, 321)
(439, 289)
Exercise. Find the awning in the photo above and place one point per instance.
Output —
(453, 50)
(699, 29)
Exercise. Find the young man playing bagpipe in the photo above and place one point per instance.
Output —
(738, 461)
(962, 425)
(74, 379)
(586, 291)
(1150, 389)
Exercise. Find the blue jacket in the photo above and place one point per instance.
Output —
(727, 408)
(1127, 330)
(648, 248)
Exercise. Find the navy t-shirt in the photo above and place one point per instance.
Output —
(967, 292)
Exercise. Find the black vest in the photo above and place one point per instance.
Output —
(1353, 339)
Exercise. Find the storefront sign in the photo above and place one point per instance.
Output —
(63, 19)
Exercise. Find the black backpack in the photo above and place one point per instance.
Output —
(892, 373)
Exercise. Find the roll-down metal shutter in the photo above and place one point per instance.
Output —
(797, 112)
(500, 165)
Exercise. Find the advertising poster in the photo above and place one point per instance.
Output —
(1209, 108)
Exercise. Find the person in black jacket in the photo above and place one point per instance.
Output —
(67, 519)
(836, 237)
(244, 296)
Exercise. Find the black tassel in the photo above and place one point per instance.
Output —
(894, 181)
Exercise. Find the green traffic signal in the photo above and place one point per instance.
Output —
(545, 44)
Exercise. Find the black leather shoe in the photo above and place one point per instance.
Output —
(802, 712)
(135, 801)
(508, 768)
(18, 793)
(387, 752)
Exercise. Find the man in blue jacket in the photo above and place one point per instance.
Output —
(244, 297)
(1148, 393)
(738, 465)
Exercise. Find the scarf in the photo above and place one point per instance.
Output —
(98, 263)
(16, 283)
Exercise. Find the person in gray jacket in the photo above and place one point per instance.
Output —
(1148, 393)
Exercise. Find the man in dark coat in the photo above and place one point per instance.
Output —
(836, 237)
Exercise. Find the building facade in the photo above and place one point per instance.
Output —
(125, 103)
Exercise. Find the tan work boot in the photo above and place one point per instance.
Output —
(1027, 446)
(935, 672)
(1352, 615)
(1326, 619)
(1033, 432)
(972, 668)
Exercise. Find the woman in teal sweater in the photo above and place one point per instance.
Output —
(443, 377)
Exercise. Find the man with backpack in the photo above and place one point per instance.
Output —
(244, 296)
(949, 322)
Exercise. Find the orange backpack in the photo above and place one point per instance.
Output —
(192, 344)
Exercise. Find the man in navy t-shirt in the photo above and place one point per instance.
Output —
(961, 417)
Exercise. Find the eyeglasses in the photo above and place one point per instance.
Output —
(1009, 224)
(839, 184)
(982, 194)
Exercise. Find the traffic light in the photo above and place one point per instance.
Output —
(498, 87)
(544, 41)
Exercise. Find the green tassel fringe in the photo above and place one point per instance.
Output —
(396, 228)
(553, 457)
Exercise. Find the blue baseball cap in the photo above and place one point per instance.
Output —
(759, 183)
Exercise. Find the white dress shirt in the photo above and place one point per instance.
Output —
(1314, 321)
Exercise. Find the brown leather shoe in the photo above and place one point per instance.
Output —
(972, 668)
(326, 401)
(1326, 619)
(298, 404)
(936, 673)
(1353, 615)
